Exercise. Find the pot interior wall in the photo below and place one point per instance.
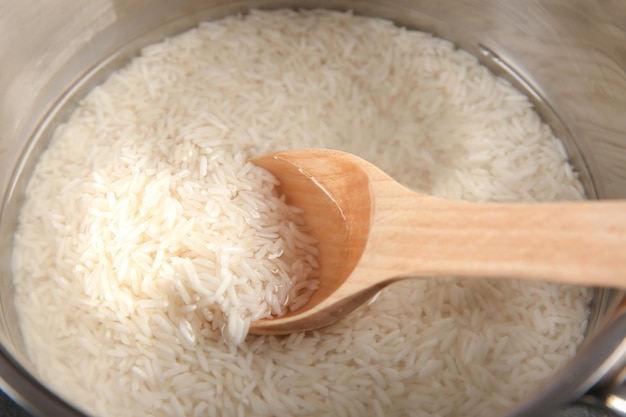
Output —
(571, 69)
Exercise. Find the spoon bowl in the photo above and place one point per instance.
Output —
(372, 231)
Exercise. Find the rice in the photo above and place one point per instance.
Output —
(146, 234)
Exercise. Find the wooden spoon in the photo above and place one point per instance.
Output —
(372, 231)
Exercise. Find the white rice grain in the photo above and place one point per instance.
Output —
(146, 233)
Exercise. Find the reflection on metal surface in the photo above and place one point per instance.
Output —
(617, 404)
(508, 69)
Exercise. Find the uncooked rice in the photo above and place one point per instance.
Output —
(127, 244)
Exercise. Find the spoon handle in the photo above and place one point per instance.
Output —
(570, 242)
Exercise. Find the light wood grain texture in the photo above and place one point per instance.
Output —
(373, 231)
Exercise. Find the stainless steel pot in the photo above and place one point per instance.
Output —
(568, 55)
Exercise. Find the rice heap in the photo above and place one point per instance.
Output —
(127, 235)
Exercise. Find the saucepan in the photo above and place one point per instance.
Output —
(569, 57)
